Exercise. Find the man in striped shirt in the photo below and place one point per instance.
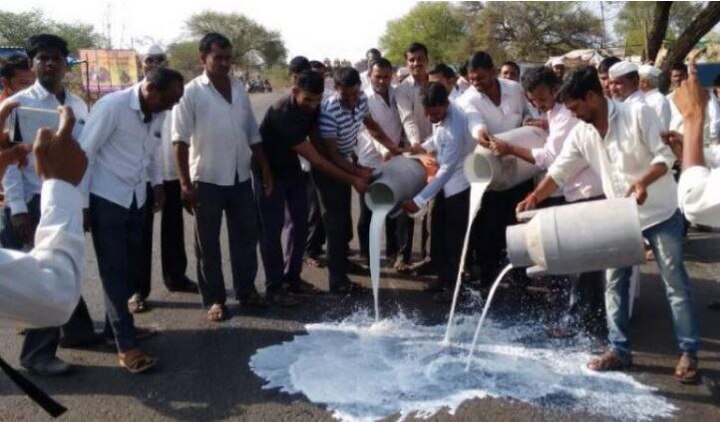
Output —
(341, 117)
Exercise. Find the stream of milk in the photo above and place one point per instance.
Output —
(377, 222)
(477, 190)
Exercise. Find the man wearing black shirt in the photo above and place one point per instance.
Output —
(286, 129)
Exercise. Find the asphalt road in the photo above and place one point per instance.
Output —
(204, 374)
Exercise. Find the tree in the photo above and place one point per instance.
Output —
(703, 23)
(645, 25)
(533, 31)
(245, 34)
(78, 35)
(15, 28)
(185, 58)
(437, 25)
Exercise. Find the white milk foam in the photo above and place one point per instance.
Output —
(377, 222)
(363, 370)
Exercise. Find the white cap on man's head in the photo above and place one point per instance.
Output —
(621, 68)
(153, 50)
(557, 61)
(646, 70)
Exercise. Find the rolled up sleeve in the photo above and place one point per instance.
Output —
(569, 162)
(42, 288)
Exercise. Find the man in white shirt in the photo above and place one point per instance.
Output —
(621, 143)
(23, 188)
(172, 233)
(603, 69)
(698, 189)
(445, 75)
(122, 139)
(557, 64)
(711, 130)
(510, 70)
(649, 79)
(371, 153)
(587, 307)
(625, 83)
(371, 57)
(416, 125)
(493, 106)
(451, 143)
(41, 288)
(216, 137)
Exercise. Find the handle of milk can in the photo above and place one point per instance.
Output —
(536, 271)
(526, 215)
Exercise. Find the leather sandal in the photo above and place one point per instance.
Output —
(686, 371)
(136, 361)
(608, 361)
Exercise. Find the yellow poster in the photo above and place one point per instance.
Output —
(109, 70)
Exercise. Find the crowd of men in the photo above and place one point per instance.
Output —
(164, 145)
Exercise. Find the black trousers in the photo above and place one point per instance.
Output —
(172, 237)
(144, 280)
(335, 202)
(172, 241)
(487, 242)
(316, 228)
(449, 223)
(40, 344)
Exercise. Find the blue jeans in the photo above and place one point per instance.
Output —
(666, 241)
(117, 234)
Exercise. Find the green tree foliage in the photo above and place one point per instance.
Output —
(528, 31)
(15, 28)
(533, 31)
(245, 34)
(437, 25)
(185, 58)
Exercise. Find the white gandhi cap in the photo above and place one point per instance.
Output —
(621, 68)
(153, 50)
(649, 70)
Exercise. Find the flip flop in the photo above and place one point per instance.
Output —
(686, 371)
(608, 361)
(136, 361)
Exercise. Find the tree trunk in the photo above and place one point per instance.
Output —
(661, 17)
(701, 25)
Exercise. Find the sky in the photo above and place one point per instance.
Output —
(317, 29)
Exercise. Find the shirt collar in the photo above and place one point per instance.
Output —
(612, 109)
(43, 93)
(204, 78)
(637, 95)
(370, 93)
(135, 97)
